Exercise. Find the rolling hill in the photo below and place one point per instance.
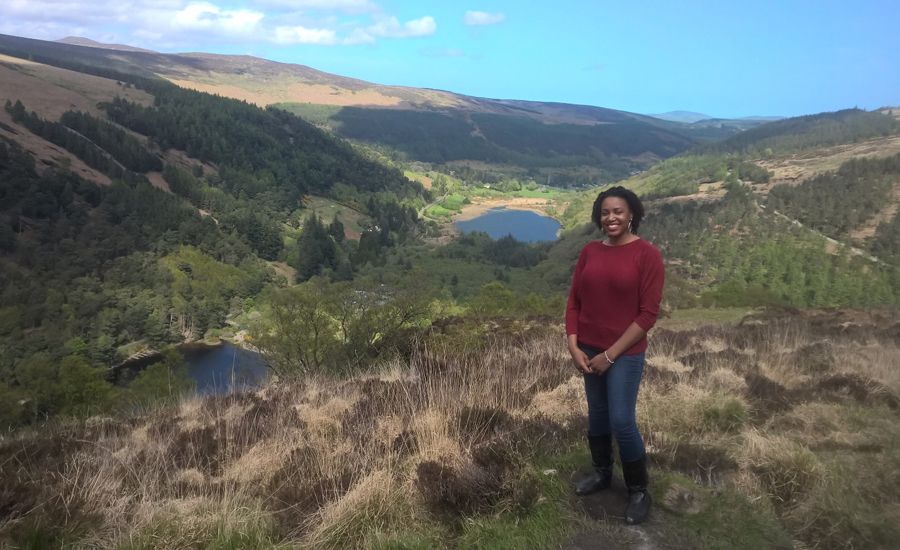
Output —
(426, 399)
(160, 209)
(421, 124)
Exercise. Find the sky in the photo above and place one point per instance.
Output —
(721, 58)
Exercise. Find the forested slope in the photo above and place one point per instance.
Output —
(734, 234)
(804, 132)
(92, 273)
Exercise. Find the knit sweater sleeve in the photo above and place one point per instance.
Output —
(573, 307)
(652, 277)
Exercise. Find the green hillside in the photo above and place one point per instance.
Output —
(612, 148)
(91, 273)
(838, 203)
(823, 129)
(423, 396)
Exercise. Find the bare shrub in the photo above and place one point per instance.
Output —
(814, 358)
(788, 471)
(452, 489)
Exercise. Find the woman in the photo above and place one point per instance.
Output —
(613, 302)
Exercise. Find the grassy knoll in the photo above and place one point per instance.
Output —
(780, 429)
(321, 115)
(327, 210)
(454, 196)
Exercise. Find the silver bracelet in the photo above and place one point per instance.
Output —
(607, 358)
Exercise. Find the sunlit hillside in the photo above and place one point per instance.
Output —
(777, 431)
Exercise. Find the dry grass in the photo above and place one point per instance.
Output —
(796, 168)
(764, 407)
(318, 457)
(51, 91)
(46, 153)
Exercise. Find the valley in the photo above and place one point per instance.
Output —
(313, 218)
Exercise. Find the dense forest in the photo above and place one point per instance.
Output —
(610, 149)
(837, 203)
(683, 175)
(762, 259)
(91, 274)
(88, 269)
(732, 252)
(804, 132)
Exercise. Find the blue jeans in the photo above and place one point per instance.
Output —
(612, 399)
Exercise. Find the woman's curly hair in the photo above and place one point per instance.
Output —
(634, 204)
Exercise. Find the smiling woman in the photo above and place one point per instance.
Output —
(613, 303)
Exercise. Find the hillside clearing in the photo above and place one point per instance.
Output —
(47, 154)
(799, 167)
(51, 91)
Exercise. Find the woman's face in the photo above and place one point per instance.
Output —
(615, 216)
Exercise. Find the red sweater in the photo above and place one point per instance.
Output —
(611, 287)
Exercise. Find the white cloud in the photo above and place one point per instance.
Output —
(483, 18)
(197, 24)
(302, 35)
(359, 36)
(344, 6)
(390, 27)
(60, 11)
(206, 16)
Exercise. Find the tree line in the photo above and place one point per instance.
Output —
(835, 203)
(804, 132)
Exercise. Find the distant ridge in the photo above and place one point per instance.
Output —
(763, 118)
(690, 117)
(565, 142)
(81, 41)
(687, 117)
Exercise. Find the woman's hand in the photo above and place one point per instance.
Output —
(580, 359)
(599, 364)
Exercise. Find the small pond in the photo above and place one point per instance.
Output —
(524, 225)
(223, 368)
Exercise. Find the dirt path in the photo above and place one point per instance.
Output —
(604, 523)
(886, 214)
(834, 244)
(480, 206)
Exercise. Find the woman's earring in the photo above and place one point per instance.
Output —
(629, 226)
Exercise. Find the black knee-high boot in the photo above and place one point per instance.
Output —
(601, 456)
(635, 474)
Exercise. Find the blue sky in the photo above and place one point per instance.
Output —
(719, 58)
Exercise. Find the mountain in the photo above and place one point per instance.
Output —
(79, 41)
(809, 131)
(681, 116)
(161, 210)
(762, 118)
(576, 143)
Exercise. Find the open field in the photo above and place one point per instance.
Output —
(799, 167)
(480, 206)
(51, 91)
(47, 154)
(266, 93)
(328, 209)
(779, 431)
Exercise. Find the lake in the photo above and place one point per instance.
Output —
(223, 368)
(524, 225)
